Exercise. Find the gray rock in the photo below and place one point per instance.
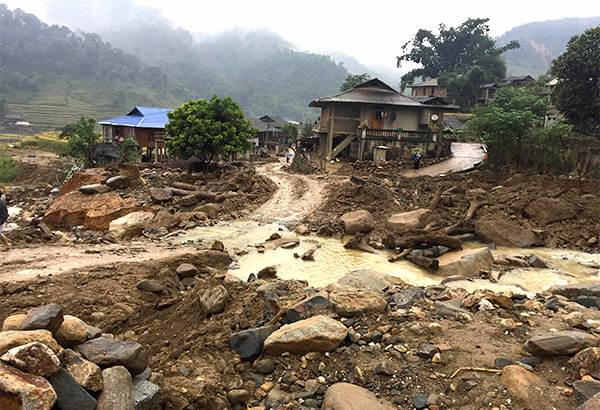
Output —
(146, 395)
(506, 233)
(117, 393)
(588, 301)
(578, 289)
(427, 351)
(366, 279)
(536, 262)
(406, 298)
(48, 317)
(213, 300)
(307, 307)
(93, 189)
(111, 352)
(159, 195)
(150, 285)
(585, 390)
(249, 343)
(70, 395)
(448, 309)
(565, 343)
(118, 182)
(186, 270)
(501, 362)
(591, 404)
(238, 396)
(420, 401)
(188, 200)
(266, 366)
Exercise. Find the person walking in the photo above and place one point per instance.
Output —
(417, 160)
(3, 218)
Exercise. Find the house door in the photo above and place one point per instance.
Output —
(376, 119)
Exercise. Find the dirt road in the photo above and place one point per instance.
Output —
(296, 197)
(465, 156)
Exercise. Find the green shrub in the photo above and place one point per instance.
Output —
(8, 169)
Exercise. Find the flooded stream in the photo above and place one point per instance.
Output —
(332, 260)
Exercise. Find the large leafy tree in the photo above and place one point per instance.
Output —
(577, 93)
(353, 80)
(508, 124)
(82, 139)
(206, 129)
(462, 58)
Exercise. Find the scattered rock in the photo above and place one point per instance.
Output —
(585, 362)
(318, 333)
(72, 331)
(87, 374)
(146, 395)
(118, 182)
(130, 225)
(117, 392)
(466, 263)
(346, 396)
(411, 220)
(160, 195)
(406, 298)
(358, 221)
(213, 300)
(48, 317)
(93, 189)
(112, 352)
(522, 384)
(20, 390)
(150, 285)
(186, 270)
(350, 304)
(585, 389)
(249, 343)
(70, 395)
(35, 358)
(565, 343)
(307, 307)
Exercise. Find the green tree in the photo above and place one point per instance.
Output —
(353, 80)
(507, 125)
(82, 139)
(206, 129)
(128, 151)
(577, 93)
(462, 58)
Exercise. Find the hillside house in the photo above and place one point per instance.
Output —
(373, 114)
(429, 88)
(269, 132)
(146, 125)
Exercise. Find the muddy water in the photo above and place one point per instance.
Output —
(332, 260)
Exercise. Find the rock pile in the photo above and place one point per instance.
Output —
(48, 358)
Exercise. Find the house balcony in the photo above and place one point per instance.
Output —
(400, 135)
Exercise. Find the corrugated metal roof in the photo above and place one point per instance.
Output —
(142, 117)
(376, 92)
(429, 83)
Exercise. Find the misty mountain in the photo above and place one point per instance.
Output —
(541, 42)
(258, 69)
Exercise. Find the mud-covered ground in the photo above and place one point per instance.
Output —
(190, 355)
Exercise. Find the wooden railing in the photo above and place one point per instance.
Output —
(400, 135)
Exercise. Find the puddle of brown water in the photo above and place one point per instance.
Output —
(332, 260)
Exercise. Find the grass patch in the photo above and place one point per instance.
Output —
(8, 169)
(47, 141)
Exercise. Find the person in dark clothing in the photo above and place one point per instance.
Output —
(3, 218)
(417, 160)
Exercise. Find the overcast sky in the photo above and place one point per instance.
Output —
(372, 32)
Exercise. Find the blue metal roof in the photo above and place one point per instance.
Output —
(142, 117)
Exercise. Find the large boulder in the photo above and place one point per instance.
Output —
(79, 179)
(35, 358)
(411, 220)
(358, 221)
(548, 210)
(249, 343)
(316, 334)
(130, 225)
(506, 233)
(346, 396)
(466, 263)
(366, 279)
(112, 352)
(20, 390)
(565, 343)
(117, 393)
(523, 385)
(48, 317)
(94, 212)
(14, 338)
(353, 303)
(572, 291)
